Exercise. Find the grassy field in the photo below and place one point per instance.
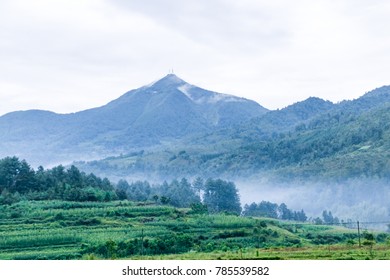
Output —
(126, 230)
(322, 252)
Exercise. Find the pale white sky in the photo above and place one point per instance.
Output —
(65, 56)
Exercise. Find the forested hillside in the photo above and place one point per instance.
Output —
(332, 142)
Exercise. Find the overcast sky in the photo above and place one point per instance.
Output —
(66, 56)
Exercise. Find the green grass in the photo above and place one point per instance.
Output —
(126, 230)
(329, 252)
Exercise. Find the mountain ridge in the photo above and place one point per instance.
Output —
(139, 118)
(328, 141)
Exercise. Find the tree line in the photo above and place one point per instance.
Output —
(273, 210)
(212, 195)
(18, 181)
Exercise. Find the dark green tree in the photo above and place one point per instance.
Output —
(300, 216)
(139, 191)
(74, 177)
(327, 217)
(198, 186)
(17, 176)
(285, 213)
(181, 193)
(268, 209)
(221, 196)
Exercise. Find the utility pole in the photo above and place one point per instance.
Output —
(358, 225)
(142, 242)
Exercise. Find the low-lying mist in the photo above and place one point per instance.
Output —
(363, 200)
(367, 201)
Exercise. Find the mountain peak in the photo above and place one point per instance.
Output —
(168, 80)
(173, 78)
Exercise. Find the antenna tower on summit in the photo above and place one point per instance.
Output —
(171, 71)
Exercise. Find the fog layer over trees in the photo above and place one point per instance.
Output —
(363, 200)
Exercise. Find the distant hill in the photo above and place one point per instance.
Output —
(275, 122)
(312, 139)
(166, 110)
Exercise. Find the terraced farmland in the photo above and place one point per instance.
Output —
(127, 230)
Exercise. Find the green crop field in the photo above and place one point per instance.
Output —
(127, 230)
